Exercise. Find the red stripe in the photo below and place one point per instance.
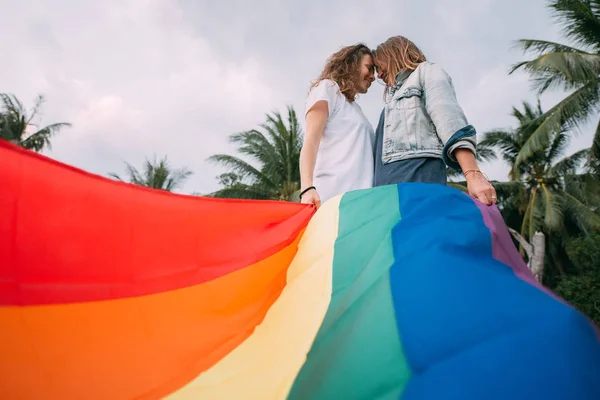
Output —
(70, 236)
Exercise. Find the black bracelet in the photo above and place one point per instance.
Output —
(306, 190)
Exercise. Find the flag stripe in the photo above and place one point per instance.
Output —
(265, 365)
(143, 347)
(70, 236)
(447, 284)
(359, 331)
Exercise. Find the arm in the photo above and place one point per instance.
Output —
(447, 115)
(454, 131)
(478, 186)
(316, 118)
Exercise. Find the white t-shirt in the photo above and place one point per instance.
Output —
(345, 156)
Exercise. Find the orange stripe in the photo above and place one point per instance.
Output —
(141, 347)
(132, 240)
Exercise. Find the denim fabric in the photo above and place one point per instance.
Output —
(421, 169)
(423, 118)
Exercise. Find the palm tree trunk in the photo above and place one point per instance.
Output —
(539, 250)
(535, 252)
(524, 245)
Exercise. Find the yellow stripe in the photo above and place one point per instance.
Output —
(266, 364)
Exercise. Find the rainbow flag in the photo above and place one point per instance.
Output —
(114, 291)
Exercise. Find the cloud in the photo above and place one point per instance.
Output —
(176, 77)
(134, 79)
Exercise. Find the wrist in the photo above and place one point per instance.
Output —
(306, 190)
(471, 174)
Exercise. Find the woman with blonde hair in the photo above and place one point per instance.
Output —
(337, 153)
(422, 127)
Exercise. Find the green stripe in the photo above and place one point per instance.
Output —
(357, 353)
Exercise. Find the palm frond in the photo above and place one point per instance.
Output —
(242, 168)
(115, 176)
(593, 162)
(242, 192)
(510, 188)
(568, 114)
(561, 70)
(156, 174)
(485, 153)
(11, 104)
(36, 108)
(15, 124)
(585, 217)
(585, 188)
(502, 140)
(569, 165)
(41, 139)
(532, 220)
(175, 178)
(254, 144)
(579, 20)
(553, 209)
(135, 176)
(543, 46)
(275, 149)
(558, 145)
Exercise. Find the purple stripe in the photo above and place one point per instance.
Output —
(504, 250)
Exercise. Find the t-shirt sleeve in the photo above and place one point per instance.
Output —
(326, 90)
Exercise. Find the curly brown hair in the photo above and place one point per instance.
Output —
(399, 54)
(343, 67)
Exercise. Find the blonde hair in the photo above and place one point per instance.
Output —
(398, 54)
(343, 67)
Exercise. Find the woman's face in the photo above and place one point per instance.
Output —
(367, 74)
(382, 73)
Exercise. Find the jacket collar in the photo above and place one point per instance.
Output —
(400, 79)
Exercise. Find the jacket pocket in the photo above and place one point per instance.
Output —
(408, 99)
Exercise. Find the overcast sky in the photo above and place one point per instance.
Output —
(176, 77)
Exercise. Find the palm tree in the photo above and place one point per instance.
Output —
(156, 175)
(573, 69)
(547, 191)
(275, 151)
(16, 124)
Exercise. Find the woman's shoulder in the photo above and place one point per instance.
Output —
(328, 85)
(429, 67)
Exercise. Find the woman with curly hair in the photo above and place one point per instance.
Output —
(337, 154)
(422, 128)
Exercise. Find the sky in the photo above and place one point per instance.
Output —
(144, 78)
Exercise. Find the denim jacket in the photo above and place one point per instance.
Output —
(423, 118)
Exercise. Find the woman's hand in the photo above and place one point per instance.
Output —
(480, 188)
(477, 184)
(311, 197)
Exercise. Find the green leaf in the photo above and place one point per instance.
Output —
(565, 71)
(568, 114)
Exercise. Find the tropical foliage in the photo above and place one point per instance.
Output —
(18, 126)
(547, 191)
(573, 67)
(156, 174)
(274, 151)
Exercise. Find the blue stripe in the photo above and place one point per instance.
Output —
(470, 328)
